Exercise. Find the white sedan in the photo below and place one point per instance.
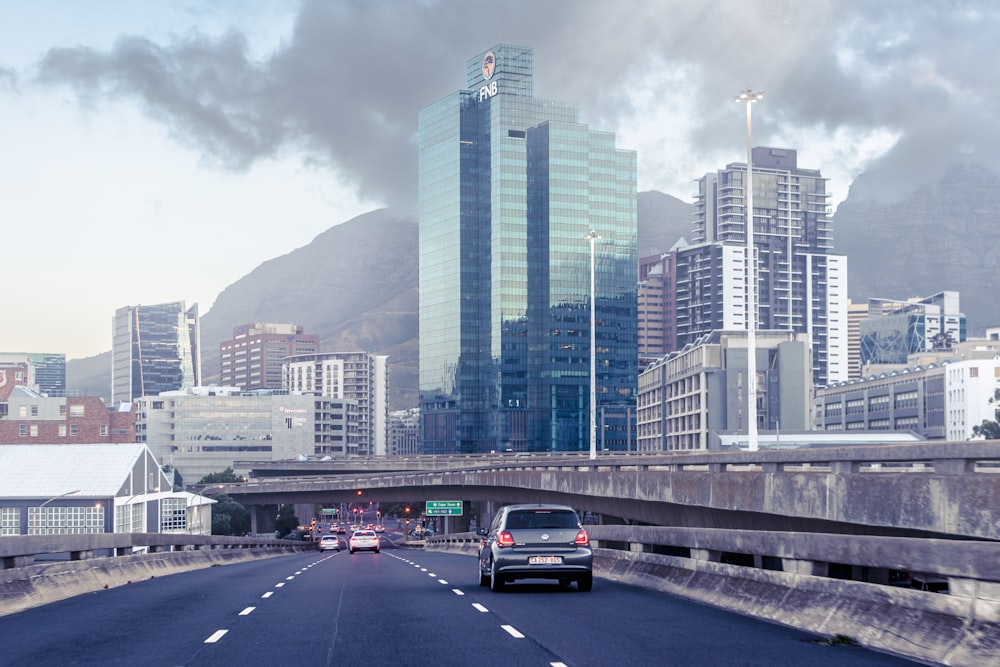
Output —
(363, 539)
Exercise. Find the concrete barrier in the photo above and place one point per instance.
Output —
(35, 585)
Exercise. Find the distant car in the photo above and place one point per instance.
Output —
(536, 542)
(328, 542)
(363, 540)
(341, 529)
(380, 528)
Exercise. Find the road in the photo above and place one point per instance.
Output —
(399, 607)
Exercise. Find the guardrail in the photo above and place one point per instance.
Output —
(929, 599)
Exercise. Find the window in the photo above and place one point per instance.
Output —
(173, 514)
(62, 430)
(74, 430)
(76, 410)
(34, 410)
(34, 430)
(10, 521)
(62, 410)
(104, 429)
(22, 430)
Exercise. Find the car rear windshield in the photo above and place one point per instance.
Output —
(542, 519)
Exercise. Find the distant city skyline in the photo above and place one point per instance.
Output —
(160, 152)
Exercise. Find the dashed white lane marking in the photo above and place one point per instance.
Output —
(289, 578)
(431, 574)
(267, 594)
(442, 581)
(247, 611)
(557, 664)
(279, 585)
(476, 605)
(216, 636)
(512, 631)
(457, 591)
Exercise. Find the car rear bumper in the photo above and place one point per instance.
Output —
(517, 565)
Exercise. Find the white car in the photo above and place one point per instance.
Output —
(363, 540)
(329, 542)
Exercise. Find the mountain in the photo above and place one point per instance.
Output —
(355, 286)
(942, 236)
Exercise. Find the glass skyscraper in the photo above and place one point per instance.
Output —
(510, 186)
(155, 348)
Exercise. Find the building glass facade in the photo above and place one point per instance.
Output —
(510, 185)
(155, 348)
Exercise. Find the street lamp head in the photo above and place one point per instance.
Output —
(592, 235)
(748, 96)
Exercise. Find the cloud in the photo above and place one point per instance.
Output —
(345, 87)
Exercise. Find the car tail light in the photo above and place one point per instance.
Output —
(582, 539)
(505, 539)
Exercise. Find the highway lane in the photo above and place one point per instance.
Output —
(399, 607)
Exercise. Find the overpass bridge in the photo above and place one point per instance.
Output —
(940, 489)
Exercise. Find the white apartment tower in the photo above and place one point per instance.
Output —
(360, 377)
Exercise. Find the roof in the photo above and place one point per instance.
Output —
(45, 471)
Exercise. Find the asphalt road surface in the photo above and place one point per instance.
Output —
(398, 607)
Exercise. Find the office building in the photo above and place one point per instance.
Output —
(208, 429)
(801, 285)
(253, 358)
(510, 186)
(938, 395)
(692, 393)
(359, 377)
(404, 432)
(895, 329)
(46, 371)
(155, 348)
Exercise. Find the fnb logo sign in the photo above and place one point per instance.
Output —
(489, 67)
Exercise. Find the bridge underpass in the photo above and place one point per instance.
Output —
(916, 490)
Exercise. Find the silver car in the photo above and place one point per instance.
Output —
(536, 542)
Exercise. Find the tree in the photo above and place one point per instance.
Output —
(988, 430)
(287, 521)
(229, 517)
(227, 476)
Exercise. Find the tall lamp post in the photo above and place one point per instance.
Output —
(748, 97)
(41, 507)
(593, 236)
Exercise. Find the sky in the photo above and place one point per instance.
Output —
(160, 151)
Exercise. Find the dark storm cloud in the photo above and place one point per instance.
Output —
(346, 86)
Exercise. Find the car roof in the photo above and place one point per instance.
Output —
(537, 506)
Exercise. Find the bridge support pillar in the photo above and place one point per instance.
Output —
(709, 555)
(810, 567)
(263, 519)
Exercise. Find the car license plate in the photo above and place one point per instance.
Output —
(545, 560)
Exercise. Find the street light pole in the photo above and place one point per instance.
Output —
(41, 507)
(748, 97)
(593, 236)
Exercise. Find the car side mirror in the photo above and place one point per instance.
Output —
(481, 532)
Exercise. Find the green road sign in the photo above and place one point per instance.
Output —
(443, 508)
(326, 511)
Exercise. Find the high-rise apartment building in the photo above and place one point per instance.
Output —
(253, 358)
(359, 377)
(801, 285)
(155, 348)
(510, 186)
